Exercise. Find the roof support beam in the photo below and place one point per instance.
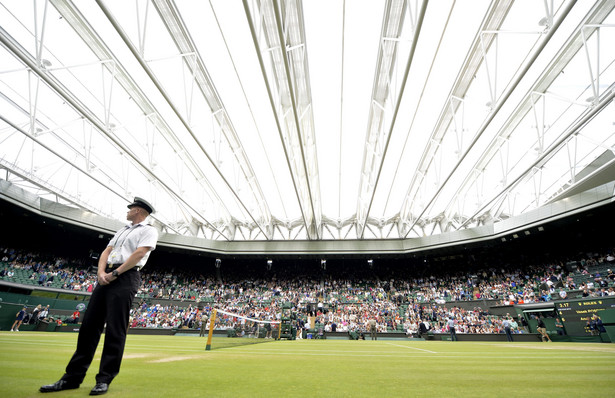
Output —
(182, 39)
(77, 21)
(154, 79)
(493, 21)
(378, 130)
(279, 38)
(537, 166)
(497, 106)
(24, 57)
(534, 97)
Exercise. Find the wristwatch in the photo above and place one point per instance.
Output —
(115, 273)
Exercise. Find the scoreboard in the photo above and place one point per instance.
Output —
(575, 313)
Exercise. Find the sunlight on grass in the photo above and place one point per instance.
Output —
(168, 366)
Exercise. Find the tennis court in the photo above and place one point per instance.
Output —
(167, 366)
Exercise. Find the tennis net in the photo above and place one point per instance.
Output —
(227, 329)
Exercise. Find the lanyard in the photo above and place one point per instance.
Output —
(126, 237)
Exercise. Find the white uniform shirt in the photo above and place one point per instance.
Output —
(128, 239)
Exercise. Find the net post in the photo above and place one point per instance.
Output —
(212, 323)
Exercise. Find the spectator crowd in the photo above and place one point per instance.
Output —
(342, 300)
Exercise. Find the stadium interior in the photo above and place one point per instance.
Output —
(390, 160)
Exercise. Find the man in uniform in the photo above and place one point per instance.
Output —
(372, 329)
(111, 300)
(507, 328)
(451, 328)
(203, 326)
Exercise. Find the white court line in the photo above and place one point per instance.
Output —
(540, 346)
(462, 355)
(413, 348)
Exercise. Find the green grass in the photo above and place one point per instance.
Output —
(179, 366)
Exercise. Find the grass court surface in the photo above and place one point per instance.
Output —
(179, 366)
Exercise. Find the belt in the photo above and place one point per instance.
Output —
(113, 266)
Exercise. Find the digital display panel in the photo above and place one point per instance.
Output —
(575, 314)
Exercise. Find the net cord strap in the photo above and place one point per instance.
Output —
(245, 317)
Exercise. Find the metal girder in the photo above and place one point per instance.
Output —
(386, 99)
(58, 191)
(536, 168)
(135, 51)
(74, 18)
(43, 183)
(171, 18)
(489, 181)
(86, 167)
(495, 108)
(492, 22)
(537, 94)
(56, 86)
(278, 33)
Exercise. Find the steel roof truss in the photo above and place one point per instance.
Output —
(578, 41)
(199, 77)
(279, 36)
(386, 96)
(85, 32)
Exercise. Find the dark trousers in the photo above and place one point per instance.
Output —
(508, 333)
(109, 304)
(453, 333)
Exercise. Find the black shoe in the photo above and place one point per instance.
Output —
(58, 386)
(99, 389)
